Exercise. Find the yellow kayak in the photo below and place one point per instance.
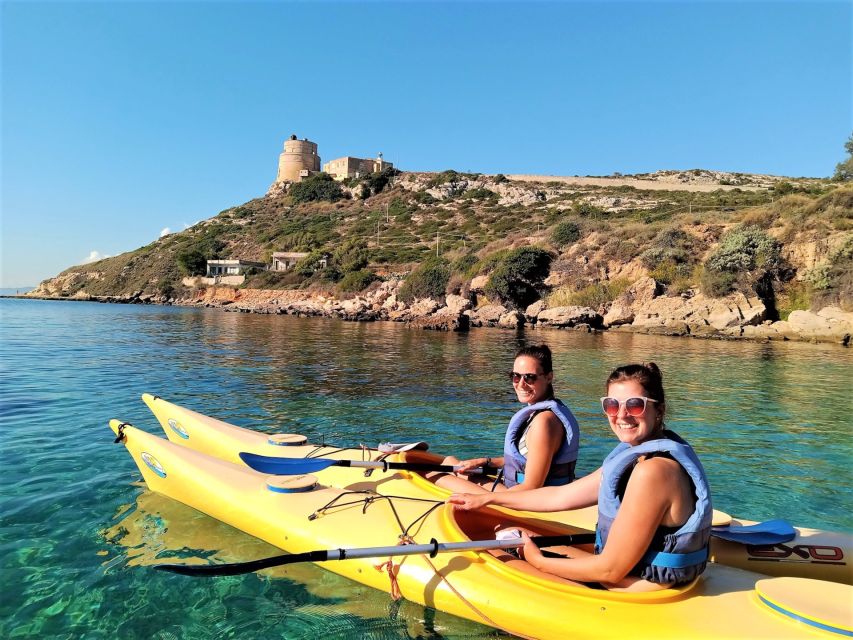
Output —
(724, 602)
(813, 553)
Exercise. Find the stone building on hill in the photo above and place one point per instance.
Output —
(298, 160)
(349, 167)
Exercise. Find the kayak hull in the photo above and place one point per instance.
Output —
(473, 585)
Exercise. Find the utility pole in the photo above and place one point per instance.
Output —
(436, 244)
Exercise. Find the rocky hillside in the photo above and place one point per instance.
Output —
(510, 242)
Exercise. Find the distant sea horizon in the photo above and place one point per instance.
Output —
(13, 291)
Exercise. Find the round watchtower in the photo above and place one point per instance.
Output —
(298, 160)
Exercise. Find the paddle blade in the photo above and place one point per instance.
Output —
(238, 568)
(769, 532)
(285, 466)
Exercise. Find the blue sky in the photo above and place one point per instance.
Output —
(122, 119)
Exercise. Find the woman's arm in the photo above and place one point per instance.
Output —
(544, 437)
(580, 493)
(648, 498)
(472, 463)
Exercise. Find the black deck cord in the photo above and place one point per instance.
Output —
(120, 437)
(371, 497)
(498, 478)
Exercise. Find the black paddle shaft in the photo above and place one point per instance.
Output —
(323, 555)
(414, 466)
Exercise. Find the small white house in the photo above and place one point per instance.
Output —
(231, 267)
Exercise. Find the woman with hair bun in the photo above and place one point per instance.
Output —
(541, 443)
(654, 504)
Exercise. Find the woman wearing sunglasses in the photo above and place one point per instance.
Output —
(541, 443)
(654, 505)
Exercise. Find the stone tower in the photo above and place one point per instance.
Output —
(299, 160)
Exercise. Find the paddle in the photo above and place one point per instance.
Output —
(768, 532)
(761, 533)
(297, 466)
(323, 555)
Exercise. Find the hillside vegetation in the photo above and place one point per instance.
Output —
(788, 240)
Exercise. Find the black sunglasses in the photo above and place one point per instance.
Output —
(529, 378)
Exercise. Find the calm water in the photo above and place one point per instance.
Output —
(771, 423)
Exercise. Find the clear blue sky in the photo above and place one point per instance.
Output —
(121, 119)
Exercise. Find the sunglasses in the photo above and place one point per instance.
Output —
(633, 406)
(529, 378)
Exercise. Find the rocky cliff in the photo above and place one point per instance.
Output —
(626, 253)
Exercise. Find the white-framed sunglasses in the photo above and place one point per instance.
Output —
(635, 406)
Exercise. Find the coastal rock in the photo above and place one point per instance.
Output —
(424, 307)
(532, 312)
(457, 304)
(622, 310)
(478, 284)
(487, 315)
(441, 322)
(835, 313)
(736, 310)
(511, 320)
(569, 317)
(704, 316)
(354, 307)
(812, 326)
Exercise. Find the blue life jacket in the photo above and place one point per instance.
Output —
(674, 556)
(562, 469)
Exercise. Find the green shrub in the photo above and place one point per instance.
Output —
(588, 210)
(480, 194)
(593, 295)
(463, 264)
(422, 197)
(834, 273)
(356, 281)
(489, 263)
(565, 233)
(377, 181)
(310, 263)
(314, 188)
(192, 262)
(844, 169)
(518, 275)
(665, 272)
(670, 248)
(428, 280)
(449, 176)
(716, 284)
(352, 255)
(745, 249)
(796, 297)
(783, 188)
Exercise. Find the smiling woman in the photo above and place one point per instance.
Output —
(541, 443)
(654, 503)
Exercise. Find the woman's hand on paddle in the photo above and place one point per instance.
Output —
(466, 466)
(469, 501)
(530, 552)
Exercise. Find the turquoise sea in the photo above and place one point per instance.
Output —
(771, 423)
